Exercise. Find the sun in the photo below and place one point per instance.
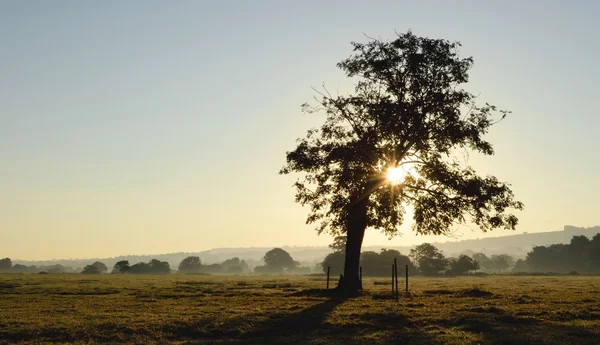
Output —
(396, 175)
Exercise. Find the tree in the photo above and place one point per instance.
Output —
(244, 266)
(139, 268)
(369, 260)
(335, 261)
(380, 264)
(387, 256)
(121, 267)
(18, 268)
(156, 266)
(95, 268)
(278, 259)
(579, 253)
(339, 243)
(483, 261)
(428, 258)
(463, 264)
(521, 266)
(191, 264)
(408, 112)
(232, 266)
(5, 264)
(594, 253)
(501, 262)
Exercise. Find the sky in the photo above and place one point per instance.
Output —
(146, 127)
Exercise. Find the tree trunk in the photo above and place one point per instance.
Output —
(350, 283)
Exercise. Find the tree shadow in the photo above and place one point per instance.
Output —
(499, 327)
(311, 326)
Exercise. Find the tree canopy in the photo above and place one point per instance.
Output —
(121, 267)
(462, 265)
(408, 111)
(429, 259)
(277, 260)
(95, 268)
(191, 264)
(5, 264)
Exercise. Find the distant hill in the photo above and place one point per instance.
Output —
(515, 245)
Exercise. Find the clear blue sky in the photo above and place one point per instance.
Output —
(153, 126)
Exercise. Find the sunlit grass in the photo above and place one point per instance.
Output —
(56, 309)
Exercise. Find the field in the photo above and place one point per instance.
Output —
(177, 309)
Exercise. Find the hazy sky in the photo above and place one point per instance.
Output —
(138, 127)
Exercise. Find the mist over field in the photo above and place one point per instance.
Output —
(277, 172)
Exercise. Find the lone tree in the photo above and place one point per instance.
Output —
(191, 264)
(5, 264)
(430, 260)
(121, 267)
(95, 268)
(392, 144)
(278, 259)
(462, 265)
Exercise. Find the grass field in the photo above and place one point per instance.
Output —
(130, 309)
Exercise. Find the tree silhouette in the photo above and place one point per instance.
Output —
(462, 265)
(483, 261)
(429, 259)
(156, 266)
(501, 262)
(278, 260)
(140, 268)
(121, 267)
(18, 268)
(95, 268)
(335, 261)
(379, 264)
(191, 264)
(5, 264)
(408, 111)
(339, 243)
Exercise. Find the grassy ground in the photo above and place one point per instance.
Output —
(61, 309)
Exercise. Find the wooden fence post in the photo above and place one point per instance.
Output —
(406, 278)
(360, 275)
(396, 277)
(393, 268)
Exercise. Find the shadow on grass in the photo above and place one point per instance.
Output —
(499, 327)
(316, 324)
(243, 330)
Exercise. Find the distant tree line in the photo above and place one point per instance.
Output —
(425, 259)
(277, 261)
(6, 266)
(581, 255)
(153, 266)
(193, 265)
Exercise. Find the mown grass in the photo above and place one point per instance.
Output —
(131, 309)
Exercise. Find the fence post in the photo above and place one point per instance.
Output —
(406, 278)
(328, 270)
(393, 268)
(396, 277)
(360, 275)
